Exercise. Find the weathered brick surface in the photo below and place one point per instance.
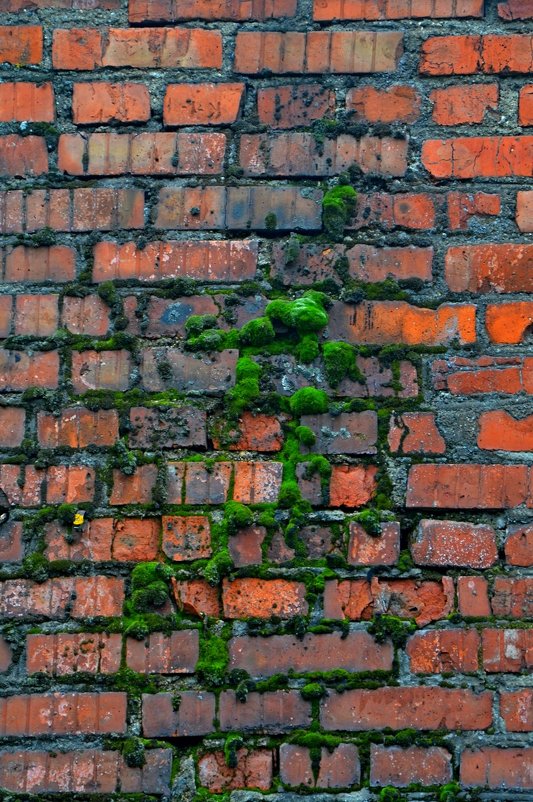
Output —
(265, 399)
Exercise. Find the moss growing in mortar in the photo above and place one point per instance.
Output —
(306, 314)
(340, 362)
(150, 588)
(338, 204)
(308, 401)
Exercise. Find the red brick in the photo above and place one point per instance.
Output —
(161, 654)
(462, 206)
(404, 210)
(63, 714)
(507, 650)
(194, 716)
(174, 427)
(196, 597)
(488, 374)
(271, 712)
(473, 596)
(294, 105)
(253, 770)
(465, 55)
(347, 433)
(100, 370)
(6, 656)
(524, 211)
(141, 154)
(88, 315)
(365, 549)
(317, 262)
(401, 767)
(134, 489)
(324, 10)
(415, 432)
(21, 44)
(280, 654)
(263, 598)
(103, 102)
(395, 104)
(239, 208)
(35, 315)
(352, 485)
(37, 265)
(143, 48)
(23, 155)
(212, 373)
(473, 157)
(245, 546)
(516, 9)
(317, 52)
(11, 548)
(420, 708)
(30, 486)
(88, 770)
(257, 482)
(392, 322)
(357, 599)
(467, 486)
(457, 105)
(338, 767)
(299, 154)
(103, 539)
(166, 316)
(202, 104)
(106, 208)
(449, 650)
(516, 710)
(454, 543)
(254, 433)
(22, 101)
(525, 104)
(236, 10)
(14, 6)
(204, 484)
(519, 545)
(83, 597)
(502, 769)
(77, 427)
(12, 423)
(498, 430)
(63, 654)
(512, 598)
(186, 537)
(229, 261)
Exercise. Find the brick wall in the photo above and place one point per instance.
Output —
(265, 413)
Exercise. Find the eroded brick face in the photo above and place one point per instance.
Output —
(266, 420)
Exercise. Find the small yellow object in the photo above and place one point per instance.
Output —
(79, 518)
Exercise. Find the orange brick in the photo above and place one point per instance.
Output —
(103, 102)
(524, 211)
(525, 105)
(489, 268)
(77, 427)
(472, 157)
(352, 485)
(236, 10)
(36, 315)
(21, 44)
(263, 598)
(23, 155)
(202, 104)
(291, 106)
(21, 101)
(458, 105)
(396, 104)
(324, 10)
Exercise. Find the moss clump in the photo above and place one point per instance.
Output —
(233, 743)
(307, 349)
(133, 753)
(340, 362)
(246, 389)
(313, 690)
(449, 792)
(390, 627)
(36, 567)
(218, 566)
(195, 324)
(338, 204)
(306, 314)
(213, 661)
(66, 514)
(209, 340)
(370, 521)
(306, 436)
(257, 332)
(308, 401)
(237, 516)
(271, 221)
(150, 587)
(390, 794)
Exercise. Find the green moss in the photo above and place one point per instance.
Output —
(306, 314)
(449, 792)
(390, 794)
(196, 324)
(36, 567)
(271, 221)
(213, 661)
(246, 389)
(338, 205)
(66, 514)
(133, 752)
(313, 690)
(257, 332)
(305, 436)
(237, 516)
(308, 401)
(340, 362)
(150, 587)
(390, 627)
(218, 567)
(370, 520)
(209, 340)
(232, 744)
(405, 561)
